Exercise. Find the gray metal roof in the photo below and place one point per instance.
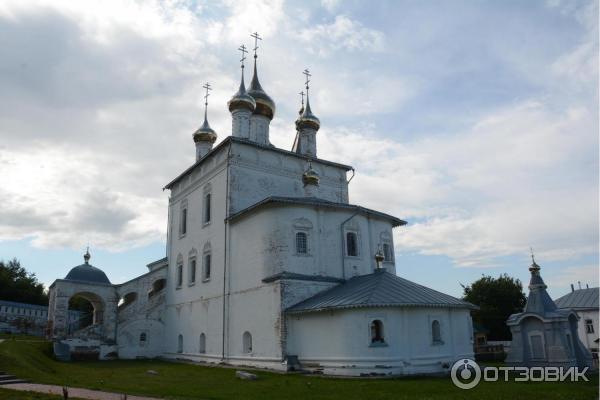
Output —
(87, 273)
(313, 201)
(579, 299)
(379, 289)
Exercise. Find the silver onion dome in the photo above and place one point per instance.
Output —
(241, 99)
(307, 119)
(264, 103)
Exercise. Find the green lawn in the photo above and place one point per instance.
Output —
(33, 361)
(14, 395)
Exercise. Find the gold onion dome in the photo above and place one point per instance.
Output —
(205, 133)
(264, 103)
(310, 176)
(307, 119)
(242, 99)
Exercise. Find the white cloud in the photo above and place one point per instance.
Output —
(488, 192)
(344, 34)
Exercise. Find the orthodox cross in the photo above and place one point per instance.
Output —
(207, 87)
(242, 48)
(306, 73)
(532, 257)
(256, 37)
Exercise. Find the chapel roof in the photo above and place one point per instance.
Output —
(579, 299)
(87, 273)
(313, 201)
(379, 289)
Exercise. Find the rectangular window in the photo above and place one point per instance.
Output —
(183, 222)
(387, 252)
(193, 270)
(301, 243)
(589, 326)
(206, 267)
(179, 275)
(351, 244)
(207, 200)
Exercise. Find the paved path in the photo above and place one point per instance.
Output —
(73, 392)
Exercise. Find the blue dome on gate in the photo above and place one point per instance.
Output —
(87, 272)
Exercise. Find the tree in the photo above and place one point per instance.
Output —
(16, 284)
(497, 299)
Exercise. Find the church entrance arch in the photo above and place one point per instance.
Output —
(85, 309)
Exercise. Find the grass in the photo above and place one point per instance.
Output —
(34, 361)
(6, 394)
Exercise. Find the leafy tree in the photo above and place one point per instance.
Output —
(16, 284)
(497, 298)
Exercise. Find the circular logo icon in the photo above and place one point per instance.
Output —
(465, 374)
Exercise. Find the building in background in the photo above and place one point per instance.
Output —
(585, 303)
(543, 334)
(30, 319)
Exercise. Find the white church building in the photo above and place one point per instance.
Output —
(269, 265)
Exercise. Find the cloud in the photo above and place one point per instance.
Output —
(489, 192)
(343, 34)
(586, 274)
(486, 143)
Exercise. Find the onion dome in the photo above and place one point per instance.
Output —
(87, 272)
(241, 100)
(264, 104)
(310, 176)
(205, 133)
(307, 119)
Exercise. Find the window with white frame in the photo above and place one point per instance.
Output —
(143, 338)
(180, 343)
(183, 217)
(351, 244)
(436, 332)
(387, 247)
(192, 267)
(377, 332)
(301, 243)
(207, 205)
(206, 262)
(589, 326)
(179, 271)
(202, 343)
(247, 342)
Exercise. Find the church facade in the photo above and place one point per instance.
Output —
(269, 265)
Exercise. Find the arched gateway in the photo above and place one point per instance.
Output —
(101, 329)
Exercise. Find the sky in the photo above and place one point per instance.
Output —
(475, 121)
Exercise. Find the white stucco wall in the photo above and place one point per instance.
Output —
(339, 342)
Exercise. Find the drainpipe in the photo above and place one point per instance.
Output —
(342, 243)
(225, 248)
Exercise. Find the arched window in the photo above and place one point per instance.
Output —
(206, 262)
(180, 344)
(247, 342)
(183, 218)
(192, 267)
(351, 244)
(301, 243)
(377, 332)
(143, 338)
(179, 271)
(207, 208)
(436, 333)
(202, 344)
